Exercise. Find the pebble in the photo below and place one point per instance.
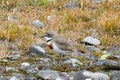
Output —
(24, 65)
(14, 56)
(73, 61)
(11, 69)
(48, 74)
(14, 78)
(38, 24)
(92, 41)
(72, 5)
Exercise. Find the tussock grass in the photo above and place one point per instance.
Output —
(73, 24)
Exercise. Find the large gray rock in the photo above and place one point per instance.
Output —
(96, 76)
(92, 41)
(115, 75)
(84, 75)
(36, 50)
(18, 76)
(108, 64)
(49, 74)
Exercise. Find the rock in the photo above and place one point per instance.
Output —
(93, 48)
(62, 78)
(14, 57)
(11, 69)
(32, 77)
(77, 76)
(36, 49)
(87, 75)
(28, 68)
(14, 78)
(2, 69)
(19, 76)
(5, 60)
(73, 61)
(104, 56)
(71, 5)
(96, 1)
(24, 65)
(96, 76)
(92, 41)
(38, 24)
(12, 19)
(49, 74)
(108, 64)
(1, 78)
(115, 75)
(111, 64)
(117, 56)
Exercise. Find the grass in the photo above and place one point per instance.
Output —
(73, 24)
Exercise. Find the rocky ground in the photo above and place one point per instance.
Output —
(37, 64)
(35, 61)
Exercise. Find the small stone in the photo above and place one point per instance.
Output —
(104, 56)
(24, 65)
(11, 69)
(49, 18)
(115, 75)
(92, 41)
(31, 70)
(12, 19)
(71, 5)
(36, 49)
(49, 74)
(93, 48)
(96, 1)
(1, 78)
(28, 68)
(77, 75)
(19, 76)
(96, 76)
(14, 78)
(38, 24)
(73, 61)
(5, 60)
(31, 77)
(14, 57)
(62, 78)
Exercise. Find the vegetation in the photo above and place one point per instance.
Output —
(74, 24)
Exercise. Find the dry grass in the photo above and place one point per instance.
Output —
(74, 24)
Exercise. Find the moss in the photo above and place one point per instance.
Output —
(97, 54)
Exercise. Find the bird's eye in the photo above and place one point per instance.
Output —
(47, 34)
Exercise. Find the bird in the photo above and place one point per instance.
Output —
(57, 43)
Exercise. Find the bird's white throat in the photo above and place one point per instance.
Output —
(49, 40)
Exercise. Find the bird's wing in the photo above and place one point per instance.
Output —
(63, 44)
